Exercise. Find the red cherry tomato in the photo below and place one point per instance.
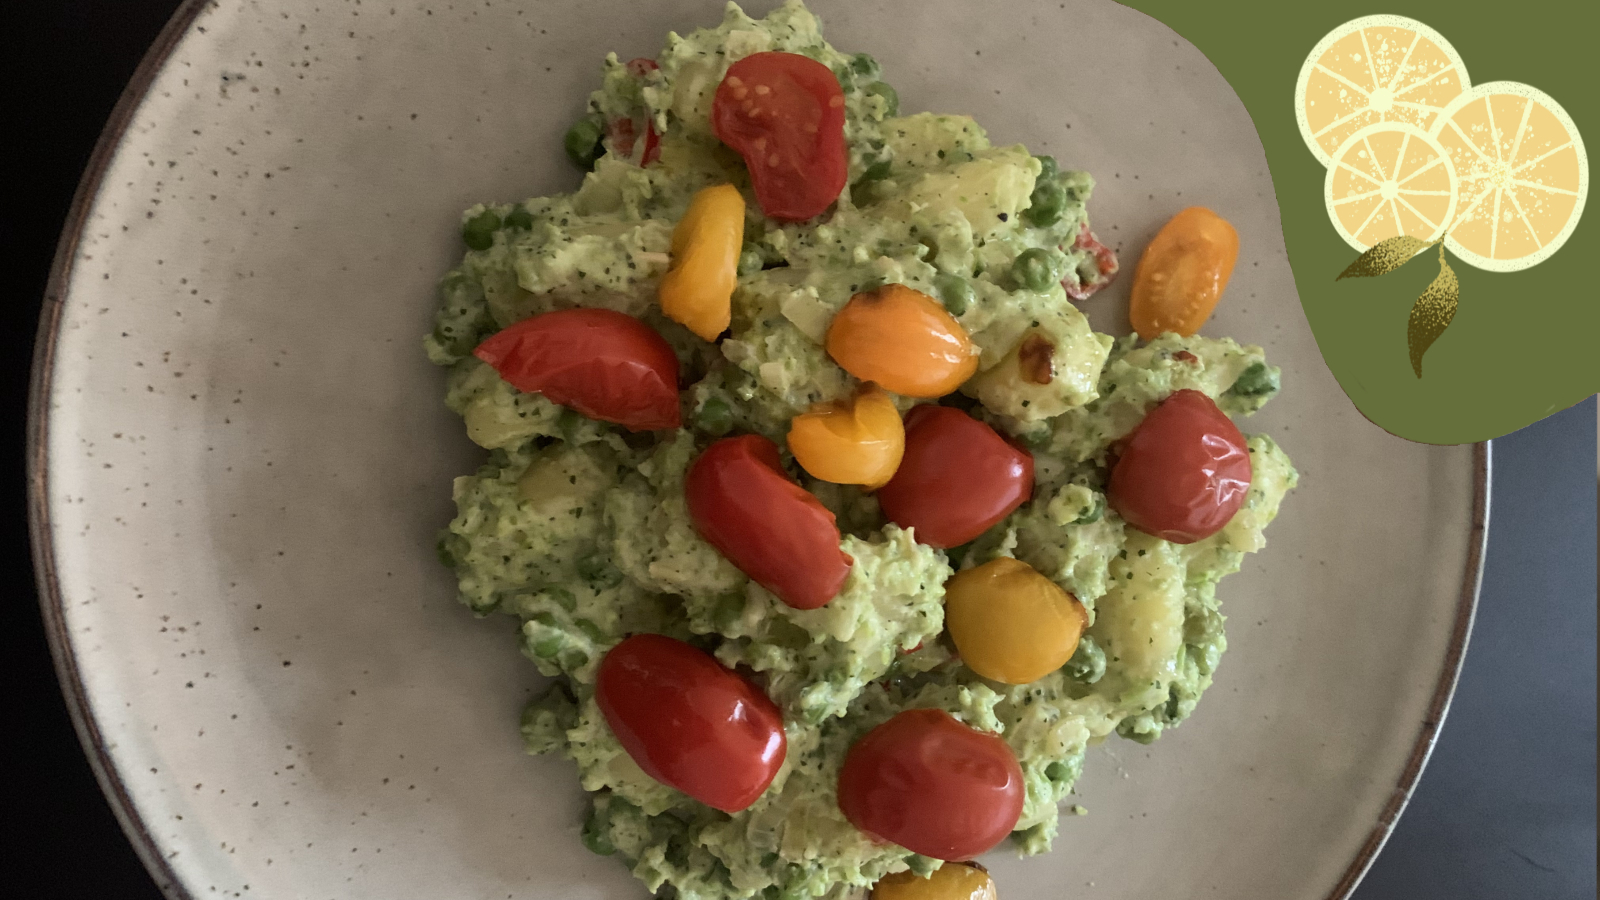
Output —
(1183, 473)
(689, 722)
(784, 113)
(641, 67)
(774, 530)
(652, 145)
(602, 363)
(1105, 263)
(958, 477)
(623, 132)
(932, 785)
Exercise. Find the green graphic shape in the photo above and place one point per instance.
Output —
(1521, 345)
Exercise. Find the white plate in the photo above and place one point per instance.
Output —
(240, 461)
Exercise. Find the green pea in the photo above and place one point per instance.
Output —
(1062, 771)
(878, 171)
(1256, 380)
(715, 417)
(596, 834)
(1174, 707)
(562, 597)
(863, 64)
(1088, 662)
(583, 142)
(1046, 204)
(591, 630)
(547, 648)
(1036, 440)
(520, 219)
(1047, 168)
(1094, 512)
(478, 232)
(1037, 268)
(891, 98)
(445, 549)
(955, 291)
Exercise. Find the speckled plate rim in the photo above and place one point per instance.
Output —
(53, 609)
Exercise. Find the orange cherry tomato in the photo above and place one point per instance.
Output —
(854, 441)
(1010, 623)
(903, 340)
(1182, 273)
(690, 722)
(951, 881)
(698, 290)
(932, 785)
(1183, 472)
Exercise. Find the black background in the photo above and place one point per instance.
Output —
(1506, 808)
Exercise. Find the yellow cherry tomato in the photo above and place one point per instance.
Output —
(951, 881)
(1010, 623)
(903, 340)
(854, 441)
(1182, 273)
(698, 290)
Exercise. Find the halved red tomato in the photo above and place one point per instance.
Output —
(1105, 265)
(932, 785)
(602, 363)
(690, 722)
(623, 130)
(1183, 472)
(958, 477)
(774, 530)
(784, 113)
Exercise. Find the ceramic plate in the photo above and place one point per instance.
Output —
(241, 460)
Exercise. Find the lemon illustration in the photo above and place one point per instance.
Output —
(1372, 70)
(1387, 180)
(1522, 172)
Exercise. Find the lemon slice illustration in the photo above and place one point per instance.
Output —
(1390, 179)
(1371, 70)
(1522, 172)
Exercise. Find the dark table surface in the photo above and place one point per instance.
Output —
(1505, 809)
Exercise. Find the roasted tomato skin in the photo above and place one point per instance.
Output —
(744, 504)
(932, 785)
(602, 363)
(958, 477)
(1183, 472)
(690, 722)
(784, 113)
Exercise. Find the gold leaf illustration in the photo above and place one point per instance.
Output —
(1432, 312)
(1385, 256)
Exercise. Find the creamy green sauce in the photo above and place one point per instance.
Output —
(581, 531)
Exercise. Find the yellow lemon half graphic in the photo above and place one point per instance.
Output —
(1371, 70)
(1522, 175)
(1390, 179)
